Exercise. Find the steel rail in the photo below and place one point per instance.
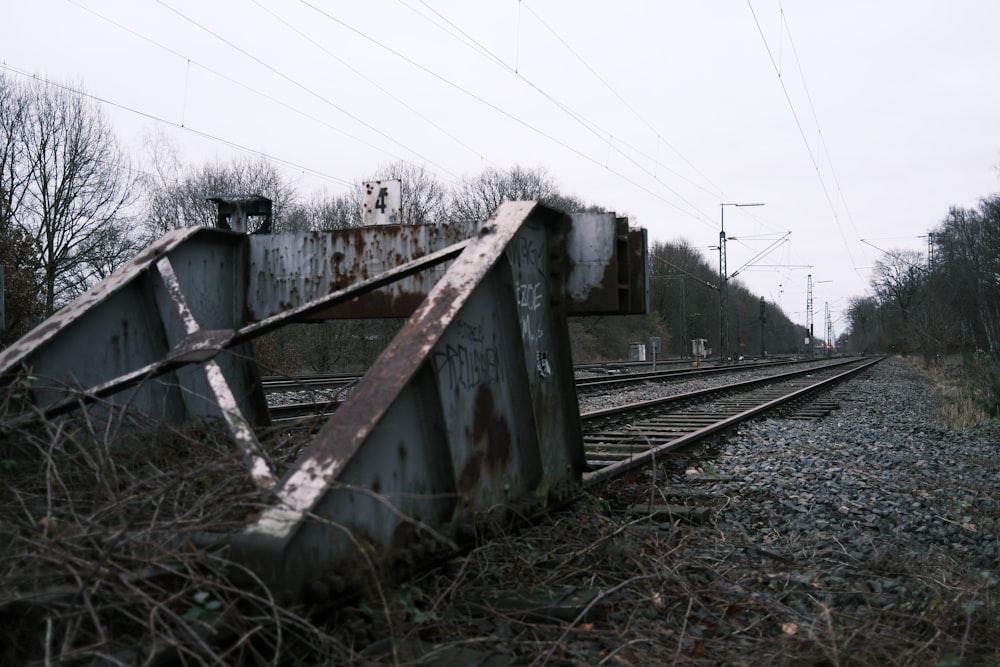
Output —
(599, 383)
(649, 455)
(333, 381)
(625, 411)
(219, 629)
(340, 382)
(309, 382)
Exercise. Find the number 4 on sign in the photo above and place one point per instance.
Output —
(381, 202)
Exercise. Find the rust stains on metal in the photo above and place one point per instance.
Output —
(490, 445)
(199, 346)
(393, 369)
(599, 252)
(490, 427)
(327, 261)
(473, 402)
(22, 349)
(376, 304)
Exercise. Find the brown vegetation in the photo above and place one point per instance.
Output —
(118, 554)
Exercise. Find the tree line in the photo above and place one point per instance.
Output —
(684, 291)
(942, 302)
(75, 206)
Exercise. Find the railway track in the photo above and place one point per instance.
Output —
(631, 435)
(622, 438)
(332, 381)
(598, 384)
(617, 440)
(332, 389)
(605, 375)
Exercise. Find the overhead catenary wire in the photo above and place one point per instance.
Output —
(805, 141)
(364, 58)
(185, 128)
(642, 119)
(600, 133)
(189, 62)
(236, 82)
(305, 88)
(374, 83)
(610, 139)
(504, 112)
(819, 131)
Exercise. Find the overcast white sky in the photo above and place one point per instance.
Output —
(885, 114)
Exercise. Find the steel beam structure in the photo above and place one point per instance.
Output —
(469, 414)
(606, 272)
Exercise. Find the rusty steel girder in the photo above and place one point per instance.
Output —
(471, 407)
(469, 414)
(133, 337)
(606, 268)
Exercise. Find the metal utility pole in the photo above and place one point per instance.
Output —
(684, 326)
(829, 329)
(724, 283)
(763, 320)
(809, 313)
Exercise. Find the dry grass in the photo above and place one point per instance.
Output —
(118, 555)
(598, 586)
(968, 391)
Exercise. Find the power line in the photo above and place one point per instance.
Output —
(190, 62)
(602, 134)
(236, 82)
(186, 128)
(802, 134)
(303, 87)
(822, 137)
(489, 104)
(374, 83)
(614, 92)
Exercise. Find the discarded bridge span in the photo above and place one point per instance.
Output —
(469, 412)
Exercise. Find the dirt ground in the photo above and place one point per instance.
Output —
(118, 560)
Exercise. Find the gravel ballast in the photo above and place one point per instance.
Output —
(868, 537)
(871, 520)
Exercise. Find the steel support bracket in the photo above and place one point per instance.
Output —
(471, 411)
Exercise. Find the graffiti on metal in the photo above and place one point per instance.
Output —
(469, 412)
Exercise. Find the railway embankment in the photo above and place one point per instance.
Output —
(868, 537)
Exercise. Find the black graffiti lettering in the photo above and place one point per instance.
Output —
(469, 367)
(525, 252)
(470, 332)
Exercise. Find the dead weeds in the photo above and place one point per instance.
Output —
(118, 555)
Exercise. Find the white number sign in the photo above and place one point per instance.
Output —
(382, 203)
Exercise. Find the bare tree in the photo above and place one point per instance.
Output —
(176, 193)
(325, 212)
(19, 257)
(425, 199)
(164, 197)
(967, 271)
(898, 282)
(478, 197)
(15, 166)
(106, 250)
(67, 182)
(19, 253)
(897, 279)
